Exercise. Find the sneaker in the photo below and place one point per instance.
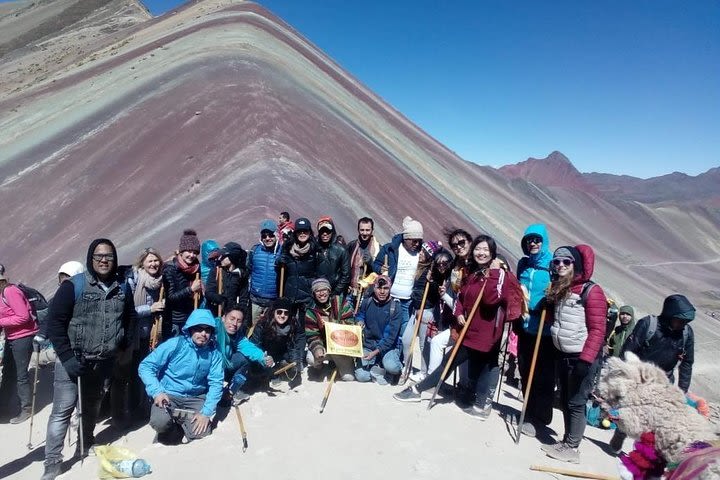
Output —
(378, 374)
(348, 377)
(410, 394)
(52, 471)
(480, 413)
(563, 452)
(21, 417)
(417, 377)
(528, 429)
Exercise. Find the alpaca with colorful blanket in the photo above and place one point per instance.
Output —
(671, 434)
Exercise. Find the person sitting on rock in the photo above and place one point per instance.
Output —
(182, 375)
(238, 352)
(380, 317)
(326, 308)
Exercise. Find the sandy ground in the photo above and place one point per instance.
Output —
(363, 433)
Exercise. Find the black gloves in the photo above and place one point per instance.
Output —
(74, 367)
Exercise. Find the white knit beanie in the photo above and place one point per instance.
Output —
(412, 229)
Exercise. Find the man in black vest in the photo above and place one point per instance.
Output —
(89, 319)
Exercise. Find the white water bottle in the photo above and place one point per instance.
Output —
(133, 468)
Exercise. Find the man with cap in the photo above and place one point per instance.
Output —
(231, 268)
(184, 377)
(181, 279)
(619, 334)
(379, 316)
(261, 266)
(285, 227)
(667, 340)
(299, 259)
(362, 253)
(402, 254)
(333, 260)
(326, 308)
(90, 320)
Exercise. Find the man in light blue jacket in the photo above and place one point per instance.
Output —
(184, 377)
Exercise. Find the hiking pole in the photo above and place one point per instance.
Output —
(573, 473)
(36, 347)
(220, 288)
(80, 421)
(358, 300)
(502, 365)
(156, 330)
(456, 347)
(243, 433)
(416, 330)
(196, 295)
(526, 394)
(327, 390)
(284, 369)
(282, 280)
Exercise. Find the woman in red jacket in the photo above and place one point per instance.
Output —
(579, 308)
(481, 345)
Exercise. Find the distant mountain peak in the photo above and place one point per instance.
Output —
(555, 170)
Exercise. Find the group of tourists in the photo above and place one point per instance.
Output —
(173, 340)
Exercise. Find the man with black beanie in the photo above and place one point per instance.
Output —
(89, 321)
(235, 289)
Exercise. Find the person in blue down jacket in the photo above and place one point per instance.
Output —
(533, 272)
(184, 372)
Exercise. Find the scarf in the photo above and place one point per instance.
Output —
(357, 259)
(297, 251)
(145, 282)
(185, 268)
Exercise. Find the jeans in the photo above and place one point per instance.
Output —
(483, 373)
(574, 394)
(390, 363)
(427, 317)
(540, 402)
(404, 318)
(19, 351)
(438, 344)
(162, 422)
(65, 397)
(238, 371)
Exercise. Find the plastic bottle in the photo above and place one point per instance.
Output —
(133, 468)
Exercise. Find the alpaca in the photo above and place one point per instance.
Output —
(646, 401)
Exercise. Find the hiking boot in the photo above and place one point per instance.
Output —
(410, 394)
(52, 471)
(481, 413)
(173, 436)
(563, 452)
(21, 417)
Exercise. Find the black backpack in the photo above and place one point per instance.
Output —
(38, 304)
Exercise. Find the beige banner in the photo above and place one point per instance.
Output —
(343, 339)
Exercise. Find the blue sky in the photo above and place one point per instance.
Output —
(627, 87)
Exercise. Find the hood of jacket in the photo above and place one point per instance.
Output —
(91, 250)
(200, 316)
(544, 256)
(588, 260)
(677, 306)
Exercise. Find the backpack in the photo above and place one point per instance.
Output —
(394, 302)
(38, 304)
(652, 328)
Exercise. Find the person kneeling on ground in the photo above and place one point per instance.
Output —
(237, 352)
(283, 338)
(380, 317)
(183, 375)
(326, 308)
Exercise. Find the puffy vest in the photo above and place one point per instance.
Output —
(263, 277)
(96, 325)
(569, 330)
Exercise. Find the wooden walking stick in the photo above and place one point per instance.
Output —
(284, 369)
(282, 280)
(573, 473)
(456, 347)
(526, 394)
(196, 295)
(327, 390)
(243, 433)
(156, 330)
(416, 330)
(502, 365)
(36, 347)
(219, 277)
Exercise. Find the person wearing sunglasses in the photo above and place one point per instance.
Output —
(283, 339)
(185, 372)
(261, 265)
(182, 284)
(579, 307)
(333, 259)
(228, 285)
(533, 271)
(299, 259)
(90, 321)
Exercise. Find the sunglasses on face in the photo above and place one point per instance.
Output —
(534, 240)
(459, 243)
(443, 264)
(99, 257)
(203, 328)
(281, 311)
(267, 235)
(562, 261)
